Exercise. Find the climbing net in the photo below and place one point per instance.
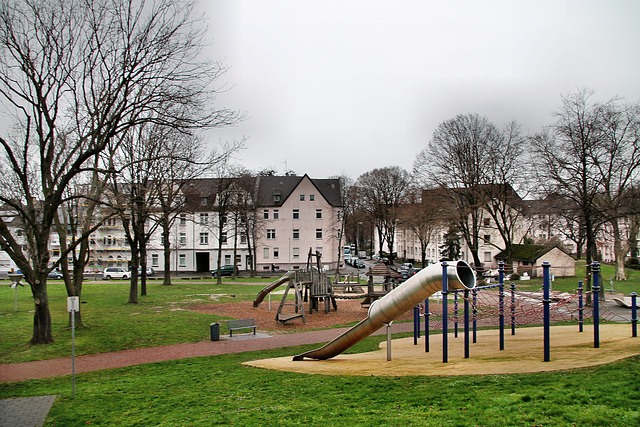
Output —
(519, 307)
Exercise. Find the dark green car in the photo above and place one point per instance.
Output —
(226, 270)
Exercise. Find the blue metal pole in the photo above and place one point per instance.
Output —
(580, 308)
(546, 301)
(513, 308)
(416, 324)
(501, 295)
(455, 314)
(595, 269)
(474, 292)
(426, 325)
(634, 315)
(466, 323)
(445, 323)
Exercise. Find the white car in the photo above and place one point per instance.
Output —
(115, 273)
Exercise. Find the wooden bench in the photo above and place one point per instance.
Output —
(234, 325)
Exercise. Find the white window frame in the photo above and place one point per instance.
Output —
(204, 238)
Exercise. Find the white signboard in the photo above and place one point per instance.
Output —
(73, 304)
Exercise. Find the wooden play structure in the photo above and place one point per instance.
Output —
(313, 286)
(376, 289)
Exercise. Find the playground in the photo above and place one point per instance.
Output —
(574, 350)
(523, 353)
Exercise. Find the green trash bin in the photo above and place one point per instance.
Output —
(215, 331)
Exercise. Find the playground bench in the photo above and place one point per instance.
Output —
(234, 325)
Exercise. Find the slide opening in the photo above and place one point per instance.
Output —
(466, 275)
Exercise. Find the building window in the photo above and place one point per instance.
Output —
(265, 214)
(487, 238)
(487, 222)
(227, 260)
(276, 252)
(487, 257)
(318, 233)
(243, 239)
(223, 237)
(312, 197)
(276, 214)
(182, 260)
(155, 260)
(318, 213)
(296, 233)
(271, 234)
(183, 219)
(204, 238)
(302, 197)
(265, 253)
(319, 250)
(296, 214)
(183, 238)
(204, 218)
(296, 252)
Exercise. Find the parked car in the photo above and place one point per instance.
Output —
(226, 270)
(115, 273)
(358, 263)
(150, 271)
(54, 274)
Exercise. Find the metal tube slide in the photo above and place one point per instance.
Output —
(415, 290)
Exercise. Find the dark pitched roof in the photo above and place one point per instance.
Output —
(526, 252)
(200, 194)
(268, 187)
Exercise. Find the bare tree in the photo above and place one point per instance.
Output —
(619, 166)
(567, 154)
(423, 218)
(89, 71)
(75, 222)
(246, 211)
(381, 193)
(458, 159)
(348, 197)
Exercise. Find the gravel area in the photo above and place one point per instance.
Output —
(348, 311)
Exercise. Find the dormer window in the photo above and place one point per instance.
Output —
(205, 201)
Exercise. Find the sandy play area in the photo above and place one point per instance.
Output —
(523, 353)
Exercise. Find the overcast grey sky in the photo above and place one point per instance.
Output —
(343, 87)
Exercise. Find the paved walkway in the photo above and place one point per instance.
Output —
(32, 411)
(25, 411)
(120, 359)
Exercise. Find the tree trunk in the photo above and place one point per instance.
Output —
(167, 252)
(42, 317)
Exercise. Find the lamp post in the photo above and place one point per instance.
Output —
(358, 238)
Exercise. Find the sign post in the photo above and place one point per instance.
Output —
(73, 305)
(15, 281)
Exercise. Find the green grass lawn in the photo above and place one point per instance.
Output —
(570, 284)
(113, 324)
(219, 390)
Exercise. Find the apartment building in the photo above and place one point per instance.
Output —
(298, 215)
